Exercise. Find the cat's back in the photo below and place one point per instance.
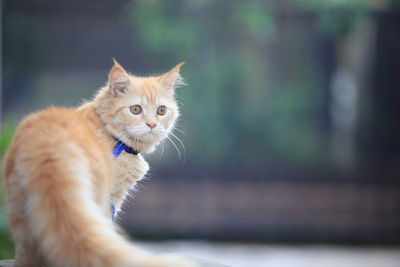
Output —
(50, 126)
(50, 134)
(54, 117)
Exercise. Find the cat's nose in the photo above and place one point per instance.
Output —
(151, 125)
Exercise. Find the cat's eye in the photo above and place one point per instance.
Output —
(161, 110)
(136, 109)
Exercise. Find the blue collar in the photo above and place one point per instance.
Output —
(119, 146)
(112, 211)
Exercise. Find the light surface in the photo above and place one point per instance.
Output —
(257, 255)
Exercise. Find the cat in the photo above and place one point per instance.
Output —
(67, 172)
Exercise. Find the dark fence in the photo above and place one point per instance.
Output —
(202, 205)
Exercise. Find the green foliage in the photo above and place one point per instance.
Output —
(335, 17)
(160, 32)
(240, 99)
(6, 243)
(6, 134)
(395, 3)
(255, 17)
(343, 4)
(184, 28)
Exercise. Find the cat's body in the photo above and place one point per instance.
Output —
(62, 177)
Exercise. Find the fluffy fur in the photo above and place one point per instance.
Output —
(61, 176)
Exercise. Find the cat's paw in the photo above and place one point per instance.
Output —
(168, 260)
(141, 166)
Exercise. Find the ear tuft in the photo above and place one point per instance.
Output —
(172, 79)
(118, 79)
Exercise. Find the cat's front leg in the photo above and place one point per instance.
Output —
(128, 169)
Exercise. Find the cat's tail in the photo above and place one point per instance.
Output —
(70, 227)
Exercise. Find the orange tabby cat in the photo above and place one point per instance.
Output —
(68, 170)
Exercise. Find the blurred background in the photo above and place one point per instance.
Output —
(290, 120)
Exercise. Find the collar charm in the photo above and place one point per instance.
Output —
(112, 211)
(119, 146)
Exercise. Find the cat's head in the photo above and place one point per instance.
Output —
(140, 111)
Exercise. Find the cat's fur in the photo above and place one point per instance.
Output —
(61, 176)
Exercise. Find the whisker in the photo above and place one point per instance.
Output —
(176, 147)
(179, 130)
(179, 140)
(162, 149)
(183, 146)
(180, 103)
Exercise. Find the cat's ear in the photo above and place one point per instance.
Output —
(118, 79)
(172, 79)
